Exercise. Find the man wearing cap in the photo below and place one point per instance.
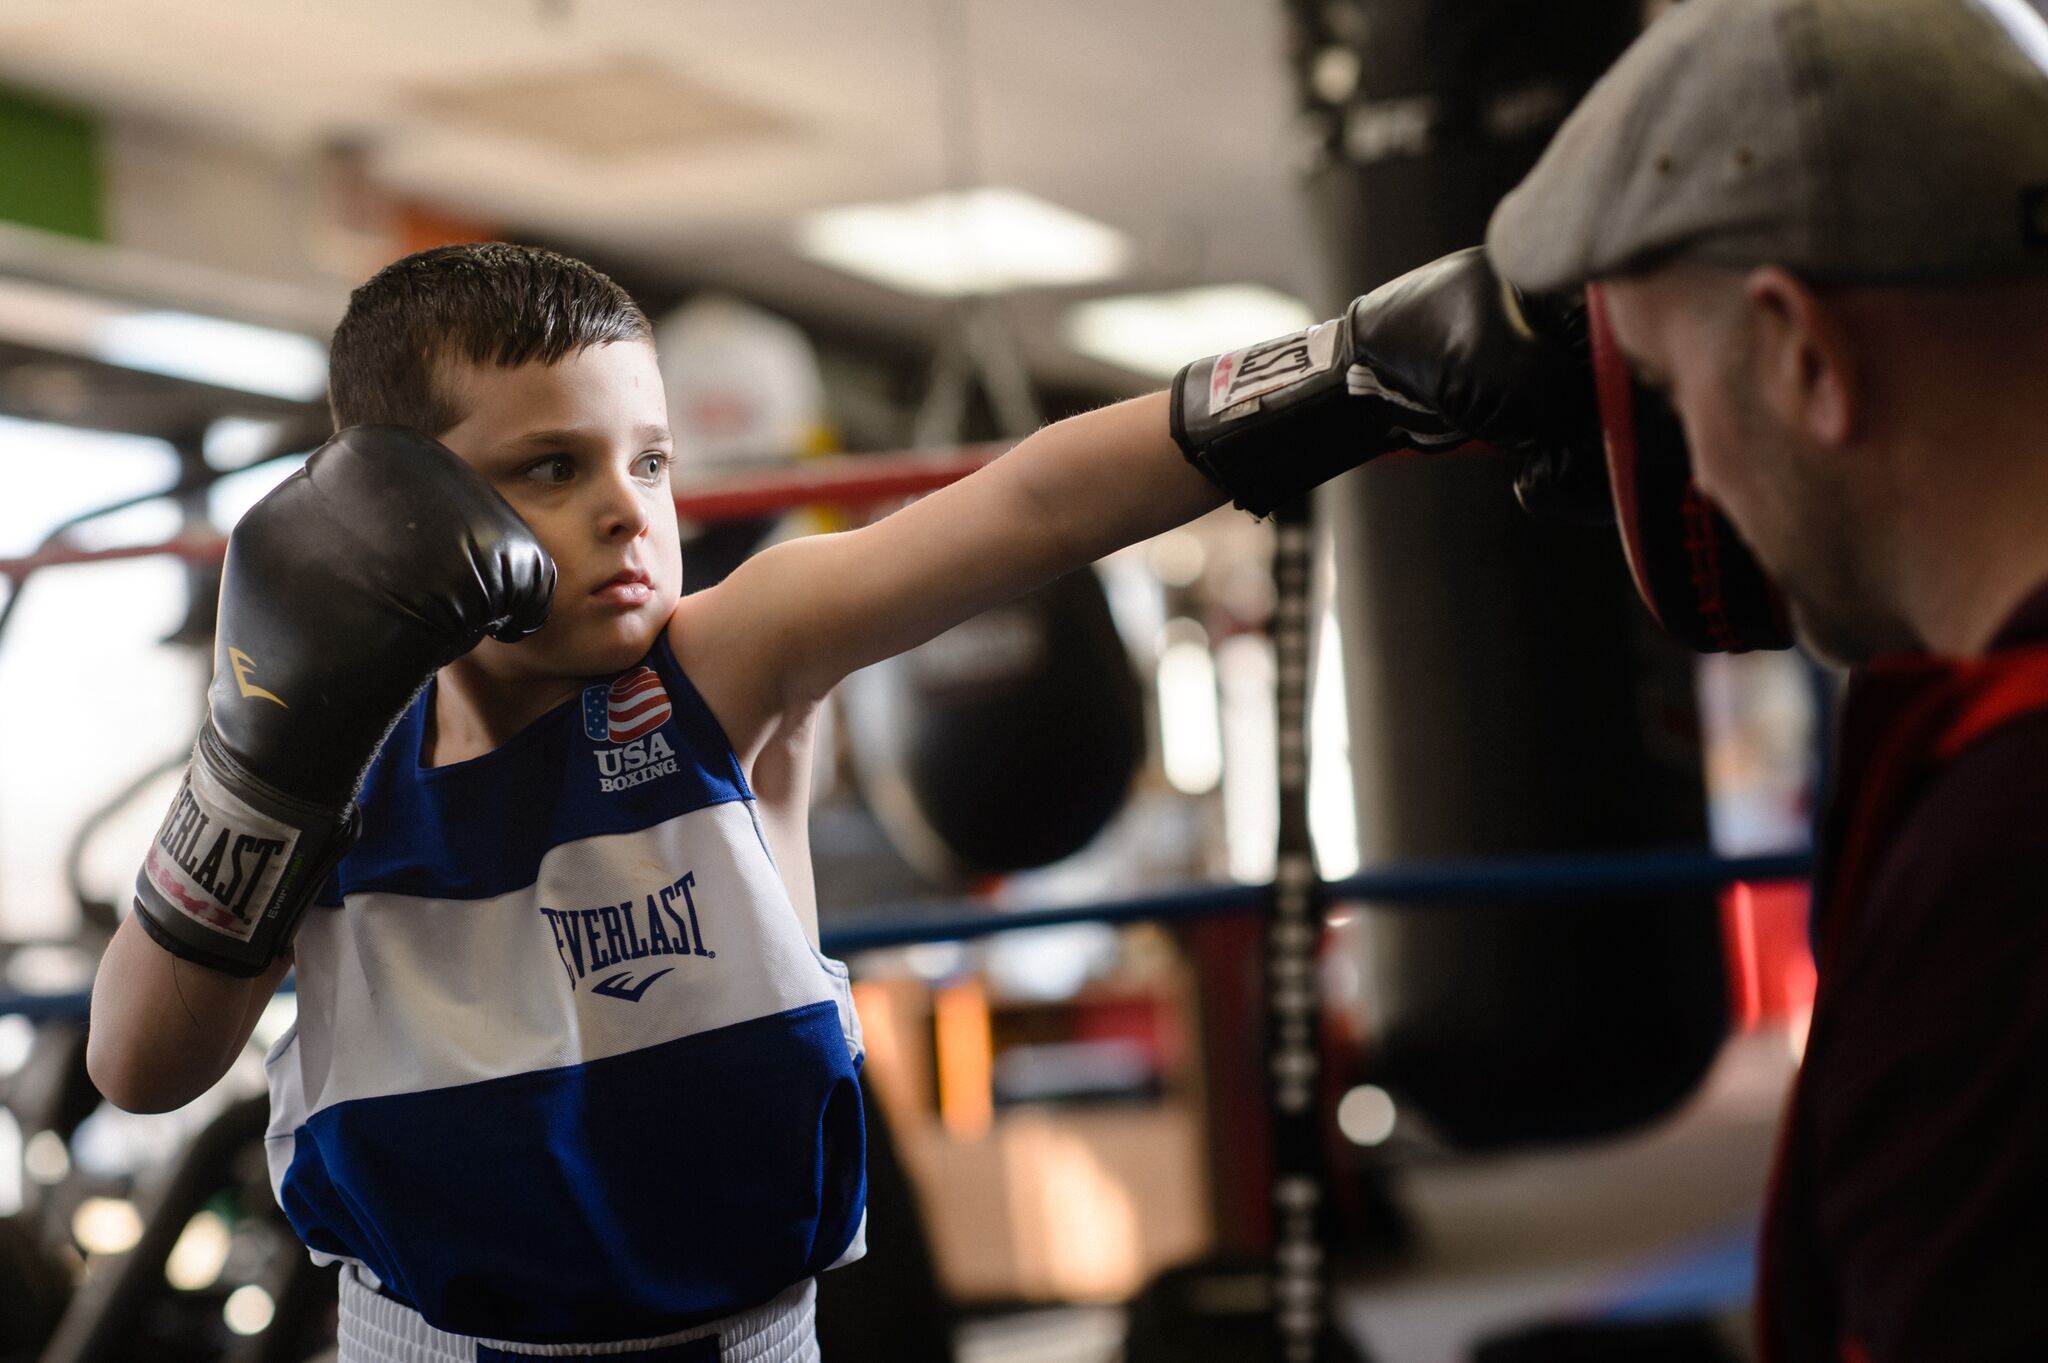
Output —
(1821, 226)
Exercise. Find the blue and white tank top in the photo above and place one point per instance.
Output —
(566, 1067)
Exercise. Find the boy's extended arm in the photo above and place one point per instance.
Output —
(1442, 355)
(1064, 497)
(164, 1030)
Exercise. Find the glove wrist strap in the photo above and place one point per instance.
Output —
(235, 863)
(1269, 422)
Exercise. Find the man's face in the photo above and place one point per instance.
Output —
(581, 450)
(1792, 499)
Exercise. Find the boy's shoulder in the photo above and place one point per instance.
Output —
(731, 666)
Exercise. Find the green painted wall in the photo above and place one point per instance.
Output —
(50, 174)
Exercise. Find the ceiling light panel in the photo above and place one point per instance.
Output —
(185, 345)
(981, 241)
(1156, 333)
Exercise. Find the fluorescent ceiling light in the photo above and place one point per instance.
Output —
(184, 345)
(948, 245)
(1156, 333)
(251, 359)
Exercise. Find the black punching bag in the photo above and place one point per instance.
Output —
(1506, 694)
(1005, 743)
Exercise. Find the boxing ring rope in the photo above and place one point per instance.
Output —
(1404, 886)
(845, 480)
(1410, 886)
(840, 480)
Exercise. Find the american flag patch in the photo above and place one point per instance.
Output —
(634, 705)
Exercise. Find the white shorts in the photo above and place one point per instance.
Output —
(376, 1329)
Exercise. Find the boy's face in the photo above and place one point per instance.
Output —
(581, 450)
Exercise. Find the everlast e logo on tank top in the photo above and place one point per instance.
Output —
(661, 922)
(628, 712)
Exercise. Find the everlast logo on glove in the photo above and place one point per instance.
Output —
(215, 859)
(1266, 368)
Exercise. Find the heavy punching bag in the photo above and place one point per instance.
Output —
(1005, 743)
(1506, 694)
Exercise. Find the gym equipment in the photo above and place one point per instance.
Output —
(124, 1310)
(1006, 742)
(1300, 1266)
(1513, 700)
(1690, 567)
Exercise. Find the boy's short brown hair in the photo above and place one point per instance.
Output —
(487, 303)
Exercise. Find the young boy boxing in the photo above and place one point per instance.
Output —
(569, 1073)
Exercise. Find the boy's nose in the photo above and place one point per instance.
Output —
(625, 514)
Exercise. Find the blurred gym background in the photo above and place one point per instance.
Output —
(919, 228)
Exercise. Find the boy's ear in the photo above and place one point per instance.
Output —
(1802, 356)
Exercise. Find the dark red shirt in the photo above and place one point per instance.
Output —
(1909, 1214)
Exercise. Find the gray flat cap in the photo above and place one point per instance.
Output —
(1872, 141)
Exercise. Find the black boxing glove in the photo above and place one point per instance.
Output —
(1450, 351)
(344, 591)
(1443, 355)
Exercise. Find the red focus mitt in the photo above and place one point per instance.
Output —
(1695, 574)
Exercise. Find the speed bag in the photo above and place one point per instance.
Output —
(1008, 742)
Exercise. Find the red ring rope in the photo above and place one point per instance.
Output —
(843, 480)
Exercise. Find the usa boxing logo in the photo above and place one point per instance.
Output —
(629, 712)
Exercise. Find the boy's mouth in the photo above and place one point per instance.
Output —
(628, 587)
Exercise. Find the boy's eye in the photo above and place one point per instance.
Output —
(557, 468)
(653, 465)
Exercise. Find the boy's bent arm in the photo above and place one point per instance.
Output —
(1064, 497)
(165, 1030)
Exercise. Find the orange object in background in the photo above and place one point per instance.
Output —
(966, 1058)
(1039, 1202)
(1770, 954)
(419, 227)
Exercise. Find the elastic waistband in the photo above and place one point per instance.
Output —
(376, 1329)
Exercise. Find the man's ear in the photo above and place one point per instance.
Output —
(1803, 361)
